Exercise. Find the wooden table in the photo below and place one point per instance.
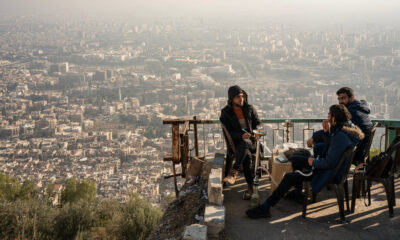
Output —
(278, 169)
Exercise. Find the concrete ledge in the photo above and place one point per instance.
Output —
(195, 232)
(219, 160)
(214, 214)
(214, 218)
(214, 187)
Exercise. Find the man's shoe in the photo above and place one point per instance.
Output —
(258, 212)
(231, 178)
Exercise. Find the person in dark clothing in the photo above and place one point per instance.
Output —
(359, 111)
(340, 134)
(240, 119)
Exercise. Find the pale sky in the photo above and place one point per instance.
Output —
(372, 10)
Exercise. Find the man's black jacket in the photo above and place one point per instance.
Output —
(231, 122)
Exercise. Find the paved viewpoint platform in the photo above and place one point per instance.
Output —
(371, 222)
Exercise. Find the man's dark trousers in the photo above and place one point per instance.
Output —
(243, 155)
(292, 179)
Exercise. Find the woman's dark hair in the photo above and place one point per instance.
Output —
(340, 113)
(348, 91)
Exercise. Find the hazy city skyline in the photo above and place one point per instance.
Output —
(309, 11)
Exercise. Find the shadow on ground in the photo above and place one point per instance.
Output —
(371, 222)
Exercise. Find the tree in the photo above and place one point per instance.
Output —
(75, 191)
(74, 218)
(23, 219)
(137, 219)
(50, 191)
(12, 190)
(28, 190)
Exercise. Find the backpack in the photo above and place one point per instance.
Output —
(375, 165)
(298, 152)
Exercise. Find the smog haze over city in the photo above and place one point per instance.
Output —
(86, 84)
(339, 11)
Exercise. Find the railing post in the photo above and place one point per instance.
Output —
(184, 147)
(380, 143)
(185, 153)
(175, 143)
(288, 125)
(273, 135)
(175, 153)
(175, 181)
(196, 137)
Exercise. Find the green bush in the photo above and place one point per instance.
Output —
(11, 189)
(74, 218)
(24, 219)
(136, 219)
(81, 216)
(75, 191)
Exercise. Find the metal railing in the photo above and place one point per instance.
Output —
(186, 142)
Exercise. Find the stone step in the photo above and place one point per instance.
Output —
(195, 232)
(214, 187)
(214, 218)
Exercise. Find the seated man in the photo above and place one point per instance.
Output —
(359, 111)
(240, 119)
(341, 134)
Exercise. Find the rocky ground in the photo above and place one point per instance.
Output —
(187, 209)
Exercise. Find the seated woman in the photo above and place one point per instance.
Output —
(341, 135)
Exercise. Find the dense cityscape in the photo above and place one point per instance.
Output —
(86, 99)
